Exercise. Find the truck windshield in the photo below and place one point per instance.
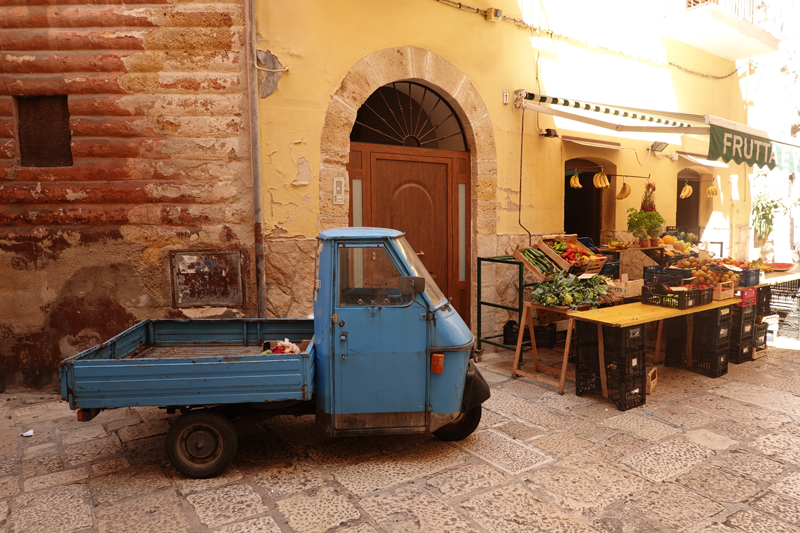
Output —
(431, 288)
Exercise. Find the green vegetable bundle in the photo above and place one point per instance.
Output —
(569, 291)
(540, 260)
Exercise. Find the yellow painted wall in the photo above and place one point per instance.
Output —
(320, 41)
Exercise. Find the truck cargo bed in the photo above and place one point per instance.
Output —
(191, 363)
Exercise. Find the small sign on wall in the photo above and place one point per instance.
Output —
(210, 278)
(338, 190)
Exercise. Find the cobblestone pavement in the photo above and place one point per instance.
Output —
(702, 456)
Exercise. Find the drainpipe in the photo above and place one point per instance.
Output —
(255, 159)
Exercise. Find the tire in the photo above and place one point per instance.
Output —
(462, 427)
(201, 444)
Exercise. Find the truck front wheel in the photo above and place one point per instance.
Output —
(201, 444)
(462, 427)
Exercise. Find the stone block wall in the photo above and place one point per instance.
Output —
(160, 140)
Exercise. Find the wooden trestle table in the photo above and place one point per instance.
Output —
(618, 316)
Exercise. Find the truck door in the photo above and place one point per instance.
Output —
(379, 343)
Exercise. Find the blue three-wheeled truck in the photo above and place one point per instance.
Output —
(384, 353)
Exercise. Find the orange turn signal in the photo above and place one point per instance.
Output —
(437, 363)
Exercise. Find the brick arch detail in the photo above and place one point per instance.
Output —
(430, 69)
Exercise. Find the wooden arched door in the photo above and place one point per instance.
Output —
(414, 177)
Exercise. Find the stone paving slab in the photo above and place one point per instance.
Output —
(702, 456)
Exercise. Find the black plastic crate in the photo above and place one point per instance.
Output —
(711, 334)
(712, 363)
(615, 340)
(675, 335)
(545, 335)
(742, 322)
(658, 274)
(748, 278)
(661, 296)
(763, 298)
(715, 317)
(587, 381)
(760, 337)
(617, 364)
(627, 392)
(787, 287)
(741, 351)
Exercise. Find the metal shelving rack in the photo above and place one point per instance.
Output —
(504, 260)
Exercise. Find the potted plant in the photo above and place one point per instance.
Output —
(653, 225)
(637, 224)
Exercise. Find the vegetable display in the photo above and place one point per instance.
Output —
(571, 253)
(569, 291)
(540, 260)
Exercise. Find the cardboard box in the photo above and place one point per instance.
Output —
(625, 288)
(651, 380)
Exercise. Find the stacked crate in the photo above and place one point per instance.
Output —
(625, 363)
(743, 328)
(711, 335)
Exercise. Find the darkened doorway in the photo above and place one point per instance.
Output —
(582, 207)
(687, 211)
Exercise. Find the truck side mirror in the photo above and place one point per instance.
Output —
(415, 284)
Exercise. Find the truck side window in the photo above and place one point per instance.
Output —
(368, 277)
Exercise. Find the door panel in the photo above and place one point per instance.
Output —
(426, 194)
(411, 196)
(380, 343)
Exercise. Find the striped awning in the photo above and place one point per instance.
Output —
(729, 141)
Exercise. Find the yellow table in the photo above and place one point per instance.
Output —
(618, 316)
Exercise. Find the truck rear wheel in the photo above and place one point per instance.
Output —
(201, 444)
(462, 427)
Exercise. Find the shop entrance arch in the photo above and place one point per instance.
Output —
(583, 208)
(409, 170)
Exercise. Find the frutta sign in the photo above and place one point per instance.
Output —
(755, 151)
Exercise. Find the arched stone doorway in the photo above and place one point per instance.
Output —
(431, 70)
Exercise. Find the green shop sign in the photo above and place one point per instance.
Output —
(740, 147)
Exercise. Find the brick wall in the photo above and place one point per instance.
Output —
(158, 113)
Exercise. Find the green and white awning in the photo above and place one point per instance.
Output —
(729, 141)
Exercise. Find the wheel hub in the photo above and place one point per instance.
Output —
(201, 444)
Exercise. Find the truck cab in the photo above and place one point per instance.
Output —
(393, 356)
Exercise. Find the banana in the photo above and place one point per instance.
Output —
(691, 190)
(572, 181)
(578, 181)
(606, 183)
(596, 181)
(712, 191)
(686, 192)
(624, 192)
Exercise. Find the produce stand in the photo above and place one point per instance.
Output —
(502, 260)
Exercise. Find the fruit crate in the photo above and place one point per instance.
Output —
(763, 298)
(749, 278)
(658, 274)
(760, 336)
(615, 340)
(627, 392)
(711, 362)
(587, 380)
(748, 296)
(724, 290)
(533, 269)
(741, 351)
(711, 334)
(593, 266)
(611, 266)
(662, 296)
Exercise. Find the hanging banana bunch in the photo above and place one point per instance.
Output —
(712, 191)
(624, 192)
(686, 192)
(575, 181)
(600, 180)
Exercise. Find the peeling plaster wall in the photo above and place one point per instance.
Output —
(160, 143)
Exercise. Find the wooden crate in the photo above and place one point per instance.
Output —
(627, 289)
(531, 267)
(723, 290)
(591, 267)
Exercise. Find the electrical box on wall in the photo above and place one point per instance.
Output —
(338, 190)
